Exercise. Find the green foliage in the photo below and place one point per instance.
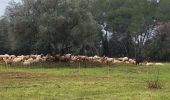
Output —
(4, 46)
(49, 26)
(43, 26)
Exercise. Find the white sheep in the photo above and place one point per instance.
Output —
(124, 59)
(149, 64)
(7, 60)
(27, 63)
(159, 64)
(17, 60)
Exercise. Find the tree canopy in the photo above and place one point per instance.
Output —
(87, 27)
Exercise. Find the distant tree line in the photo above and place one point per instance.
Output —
(133, 28)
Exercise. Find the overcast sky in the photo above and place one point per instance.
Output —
(3, 4)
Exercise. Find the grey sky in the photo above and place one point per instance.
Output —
(3, 4)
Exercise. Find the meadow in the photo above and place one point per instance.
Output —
(116, 82)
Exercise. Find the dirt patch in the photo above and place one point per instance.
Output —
(22, 75)
(26, 75)
(140, 72)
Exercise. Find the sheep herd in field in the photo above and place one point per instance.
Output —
(69, 58)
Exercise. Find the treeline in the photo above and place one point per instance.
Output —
(133, 28)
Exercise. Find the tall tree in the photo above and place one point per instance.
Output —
(4, 43)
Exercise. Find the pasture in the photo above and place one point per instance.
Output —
(117, 82)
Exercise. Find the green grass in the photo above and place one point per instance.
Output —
(119, 82)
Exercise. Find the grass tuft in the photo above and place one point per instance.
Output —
(156, 83)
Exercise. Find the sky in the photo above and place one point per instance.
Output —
(3, 4)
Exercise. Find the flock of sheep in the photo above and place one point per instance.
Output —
(69, 58)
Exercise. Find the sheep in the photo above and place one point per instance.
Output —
(17, 60)
(27, 63)
(8, 61)
(149, 64)
(67, 56)
(127, 62)
(13, 56)
(90, 59)
(26, 57)
(99, 61)
(47, 58)
(110, 59)
(44, 59)
(159, 64)
(132, 61)
(39, 59)
(33, 56)
(82, 58)
(107, 60)
(62, 58)
(120, 59)
(125, 59)
(31, 59)
(117, 61)
(74, 58)
(1, 57)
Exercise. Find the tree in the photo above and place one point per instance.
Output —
(4, 47)
(43, 26)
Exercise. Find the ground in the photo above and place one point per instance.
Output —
(119, 82)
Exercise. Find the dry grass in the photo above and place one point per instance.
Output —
(154, 84)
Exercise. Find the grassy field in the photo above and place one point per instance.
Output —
(119, 82)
